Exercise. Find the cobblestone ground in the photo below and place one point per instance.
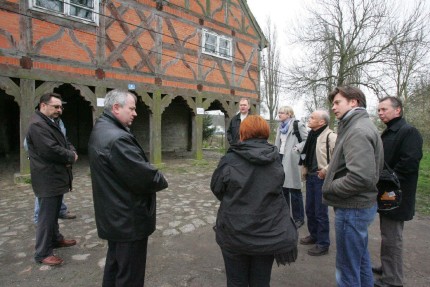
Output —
(182, 251)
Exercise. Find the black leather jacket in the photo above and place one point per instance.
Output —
(124, 182)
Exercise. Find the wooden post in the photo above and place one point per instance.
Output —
(155, 127)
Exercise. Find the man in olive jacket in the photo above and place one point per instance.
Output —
(403, 147)
(350, 185)
(124, 186)
(51, 158)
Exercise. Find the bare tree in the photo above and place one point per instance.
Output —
(272, 75)
(349, 42)
(408, 56)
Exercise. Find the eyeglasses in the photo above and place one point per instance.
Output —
(55, 106)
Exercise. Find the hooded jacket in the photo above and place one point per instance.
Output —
(124, 182)
(358, 159)
(253, 214)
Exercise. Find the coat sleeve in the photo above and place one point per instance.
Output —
(47, 146)
(410, 150)
(130, 165)
(219, 179)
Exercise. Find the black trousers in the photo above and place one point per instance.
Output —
(247, 270)
(47, 230)
(125, 264)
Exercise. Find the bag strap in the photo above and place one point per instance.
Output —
(328, 147)
(296, 130)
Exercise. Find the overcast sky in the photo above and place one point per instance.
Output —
(282, 13)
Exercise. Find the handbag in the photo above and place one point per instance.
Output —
(389, 192)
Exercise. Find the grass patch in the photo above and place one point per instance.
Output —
(423, 189)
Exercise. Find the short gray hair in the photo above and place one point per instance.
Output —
(325, 116)
(117, 96)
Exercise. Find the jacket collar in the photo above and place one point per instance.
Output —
(395, 124)
(112, 118)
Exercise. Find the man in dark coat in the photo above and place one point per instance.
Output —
(233, 129)
(51, 158)
(124, 186)
(403, 152)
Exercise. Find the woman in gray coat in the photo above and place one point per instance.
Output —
(290, 139)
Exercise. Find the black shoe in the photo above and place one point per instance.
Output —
(377, 270)
(68, 215)
(379, 283)
(308, 240)
(299, 223)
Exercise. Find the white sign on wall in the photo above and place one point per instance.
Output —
(100, 102)
(200, 111)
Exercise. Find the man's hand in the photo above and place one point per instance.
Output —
(76, 156)
(321, 174)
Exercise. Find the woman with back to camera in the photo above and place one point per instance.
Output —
(253, 226)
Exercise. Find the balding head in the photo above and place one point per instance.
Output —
(318, 119)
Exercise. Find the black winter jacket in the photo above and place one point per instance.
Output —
(124, 182)
(403, 146)
(252, 218)
(51, 157)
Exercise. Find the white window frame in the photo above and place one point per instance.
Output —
(66, 10)
(217, 52)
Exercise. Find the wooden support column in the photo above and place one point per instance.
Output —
(27, 89)
(198, 130)
(100, 93)
(155, 128)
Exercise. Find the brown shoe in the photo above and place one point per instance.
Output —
(52, 260)
(308, 240)
(65, 243)
(68, 215)
(318, 251)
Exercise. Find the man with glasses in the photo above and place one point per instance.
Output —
(51, 158)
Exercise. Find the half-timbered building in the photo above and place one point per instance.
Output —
(180, 58)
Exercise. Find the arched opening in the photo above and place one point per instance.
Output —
(140, 127)
(9, 127)
(77, 117)
(217, 119)
(176, 126)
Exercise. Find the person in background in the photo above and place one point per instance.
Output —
(233, 129)
(253, 226)
(403, 147)
(290, 139)
(350, 185)
(64, 213)
(315, 159)
(51, 158)
(124, 191)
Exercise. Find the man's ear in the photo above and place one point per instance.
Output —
(115, 108)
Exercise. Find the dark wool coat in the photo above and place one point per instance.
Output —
(51, 157)
(253, 214)
(124, 182)
(403, 151)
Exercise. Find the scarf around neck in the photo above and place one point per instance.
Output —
(283, 126)
(310, 146)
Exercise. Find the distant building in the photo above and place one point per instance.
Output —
(178, 57)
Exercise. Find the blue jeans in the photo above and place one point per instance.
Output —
(296, 205)
(317, 212)
(247, 270)
(63, 209)
(353, 267)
